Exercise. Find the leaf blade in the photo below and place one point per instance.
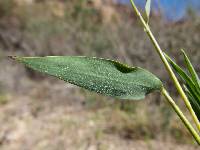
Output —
(193, 100)
(191, 70)
(148, 9)
(103, 76)
(190, 88)
(182, 74)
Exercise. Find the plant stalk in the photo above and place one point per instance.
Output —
(181, 115)
(167, 65)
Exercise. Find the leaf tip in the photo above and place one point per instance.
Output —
(148, 10)
(182, 50)
(16, 58)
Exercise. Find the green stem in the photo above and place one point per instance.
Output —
(181, 115)
(167, 65)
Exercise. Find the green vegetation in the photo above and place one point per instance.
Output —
(175, 80)
(103, 76)
(191, 83)
(39, 30)
(124, 82)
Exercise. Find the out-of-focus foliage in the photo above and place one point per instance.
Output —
(6, 7)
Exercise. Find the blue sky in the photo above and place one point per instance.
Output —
(171, 9)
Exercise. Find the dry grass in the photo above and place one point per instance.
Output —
(29, 123)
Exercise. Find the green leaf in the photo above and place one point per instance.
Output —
(193, 100)
(184, 77)
(103, 76)
(191, 70)
(182, 74)
(148, 9)
(190, 87)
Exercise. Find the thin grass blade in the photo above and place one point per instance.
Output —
(182, 74)
(191, 90)
(193, 101)
(191, 70)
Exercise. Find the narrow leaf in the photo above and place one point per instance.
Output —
(184, 77)
(148, 9)
(191, 70)
(182, 74)
(193, 101)
(103, 76)
(191, 89)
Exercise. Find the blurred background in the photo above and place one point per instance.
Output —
(39, 112)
